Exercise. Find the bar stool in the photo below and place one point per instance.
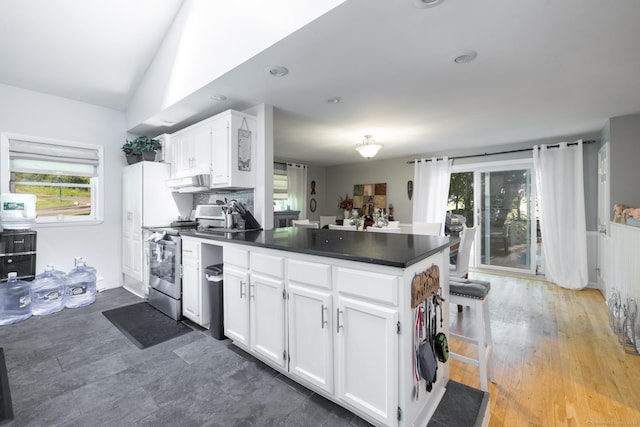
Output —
(475, 293)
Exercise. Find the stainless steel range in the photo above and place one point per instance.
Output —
(165, 271)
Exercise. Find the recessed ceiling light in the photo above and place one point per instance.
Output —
(426, 3)
(218, 97)
(464, 57)
(167, 122)
(334, 100)
(276, 70)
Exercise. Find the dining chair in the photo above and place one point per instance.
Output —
(428, 228)
(307, 225)
(461, 268)
(342, 227)
(383, 229)
(326, 220)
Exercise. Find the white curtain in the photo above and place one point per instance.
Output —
(560, 190)
(431, 189)
(297, 188)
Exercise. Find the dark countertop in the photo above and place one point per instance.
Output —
(395, 250)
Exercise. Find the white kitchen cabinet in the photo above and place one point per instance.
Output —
(146, 202)
(367, 346)
(310, 323)
(267, 307)
(233, 137)
(191, 151)
(192, 299)
(235, 295)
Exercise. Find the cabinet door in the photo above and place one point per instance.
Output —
(220, 147)
(367, 342)
(236, 304)
(267, 318)
(191, 289)
(132, 222)
(311, 335)
(181, 151)
(201, 150)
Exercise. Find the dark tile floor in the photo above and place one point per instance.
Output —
(74, 368)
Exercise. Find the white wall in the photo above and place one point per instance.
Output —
(32, 113)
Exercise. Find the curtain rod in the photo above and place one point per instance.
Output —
(468, 156)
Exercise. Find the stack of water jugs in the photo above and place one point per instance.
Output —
(49, 292)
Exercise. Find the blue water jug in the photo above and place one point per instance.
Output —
(15, 300)
(80, 286)
(47, 292)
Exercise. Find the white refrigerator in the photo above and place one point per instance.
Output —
(146, 202)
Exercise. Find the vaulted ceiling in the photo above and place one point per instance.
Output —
(543, 69)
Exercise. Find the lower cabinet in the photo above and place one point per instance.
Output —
(311, 335)
(367, 346)
(266, 306)
(191, 271)
(236, 304)
(320, 324)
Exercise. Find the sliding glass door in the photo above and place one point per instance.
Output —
(504, 210)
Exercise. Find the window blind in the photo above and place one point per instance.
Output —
(35, 157)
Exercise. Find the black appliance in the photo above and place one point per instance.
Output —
(18, 253)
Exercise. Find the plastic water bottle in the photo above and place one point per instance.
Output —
(47, 292)
(15, 300)
(80, 286)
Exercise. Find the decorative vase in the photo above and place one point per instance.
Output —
(347, 213)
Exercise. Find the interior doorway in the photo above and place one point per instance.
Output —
(499, 198)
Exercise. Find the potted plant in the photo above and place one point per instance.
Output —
(131, 152)
(141, 148)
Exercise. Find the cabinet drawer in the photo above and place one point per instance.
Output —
(190, 248)
(267, 264)
(372, 286)
(237, 257)
(310, 273)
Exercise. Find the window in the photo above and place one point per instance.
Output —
(65, 176)
(280, 187)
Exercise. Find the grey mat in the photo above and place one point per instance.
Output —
(144, 325)
(461, 406)
(6, 408)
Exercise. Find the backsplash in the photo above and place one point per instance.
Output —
(210, 197)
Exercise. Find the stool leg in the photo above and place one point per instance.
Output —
(489, 338)
(482, 352)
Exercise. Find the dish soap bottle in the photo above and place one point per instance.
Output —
(15, 300)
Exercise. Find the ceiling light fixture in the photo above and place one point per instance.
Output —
(426, 3)
(334, 100)
(218, 97)
(167, 122)
(276, 70)
(368, 148)
(465, 57)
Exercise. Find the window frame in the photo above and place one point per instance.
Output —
(97, 183)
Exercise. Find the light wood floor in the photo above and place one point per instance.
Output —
(557, 363)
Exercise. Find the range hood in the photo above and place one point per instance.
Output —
(190, 184)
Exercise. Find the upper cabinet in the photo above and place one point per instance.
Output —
(233, 136)
(223, 147)
(191, 151)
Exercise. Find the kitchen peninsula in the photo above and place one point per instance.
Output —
(329, 309)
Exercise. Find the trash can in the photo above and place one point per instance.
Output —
(213, 273)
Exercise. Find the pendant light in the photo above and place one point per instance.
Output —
(368, 148)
